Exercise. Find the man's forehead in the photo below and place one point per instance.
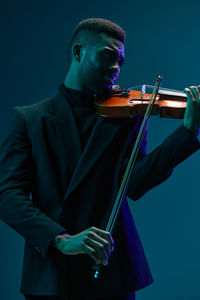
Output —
(108, 42)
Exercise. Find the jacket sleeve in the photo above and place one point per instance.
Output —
(16, 207)
(155, 167)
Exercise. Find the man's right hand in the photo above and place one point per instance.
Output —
(93, 241)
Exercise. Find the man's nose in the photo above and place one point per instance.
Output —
(115, 68)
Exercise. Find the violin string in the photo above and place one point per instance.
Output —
(151, 87)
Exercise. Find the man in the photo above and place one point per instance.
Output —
(60, 171)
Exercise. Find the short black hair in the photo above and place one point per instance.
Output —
(87, 32)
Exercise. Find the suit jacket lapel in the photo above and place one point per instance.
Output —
(67, 131)
(100, 138)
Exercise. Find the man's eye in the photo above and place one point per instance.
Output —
(111, 57)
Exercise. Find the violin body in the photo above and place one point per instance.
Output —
(131, 103)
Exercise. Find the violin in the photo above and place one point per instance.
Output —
(125, 103)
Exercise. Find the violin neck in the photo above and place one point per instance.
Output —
(164, 93)
(173, 93)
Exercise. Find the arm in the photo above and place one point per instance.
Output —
(158, 165)
(16, 207)
(19, 212)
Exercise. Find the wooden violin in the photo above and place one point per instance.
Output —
(129, 103)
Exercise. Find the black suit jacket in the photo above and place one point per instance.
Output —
(47, 185)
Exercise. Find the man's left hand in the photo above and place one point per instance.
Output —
(192, 112)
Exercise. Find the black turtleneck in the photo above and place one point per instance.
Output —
(83, 108)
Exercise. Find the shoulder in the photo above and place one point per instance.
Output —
(30, 116)
(40, 107)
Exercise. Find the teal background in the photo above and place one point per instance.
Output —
(162, 38)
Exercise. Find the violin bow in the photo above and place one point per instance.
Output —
(129, 169)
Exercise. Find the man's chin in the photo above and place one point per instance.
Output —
(104, 92)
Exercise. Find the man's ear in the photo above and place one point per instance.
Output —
(77, 52)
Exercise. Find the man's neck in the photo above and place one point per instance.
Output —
(71, 80)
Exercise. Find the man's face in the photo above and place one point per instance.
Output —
(100, 65)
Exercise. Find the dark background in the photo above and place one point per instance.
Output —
(162, 38)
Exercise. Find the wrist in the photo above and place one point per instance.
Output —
(59, 238)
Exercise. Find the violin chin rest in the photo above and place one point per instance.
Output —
(115, 87)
